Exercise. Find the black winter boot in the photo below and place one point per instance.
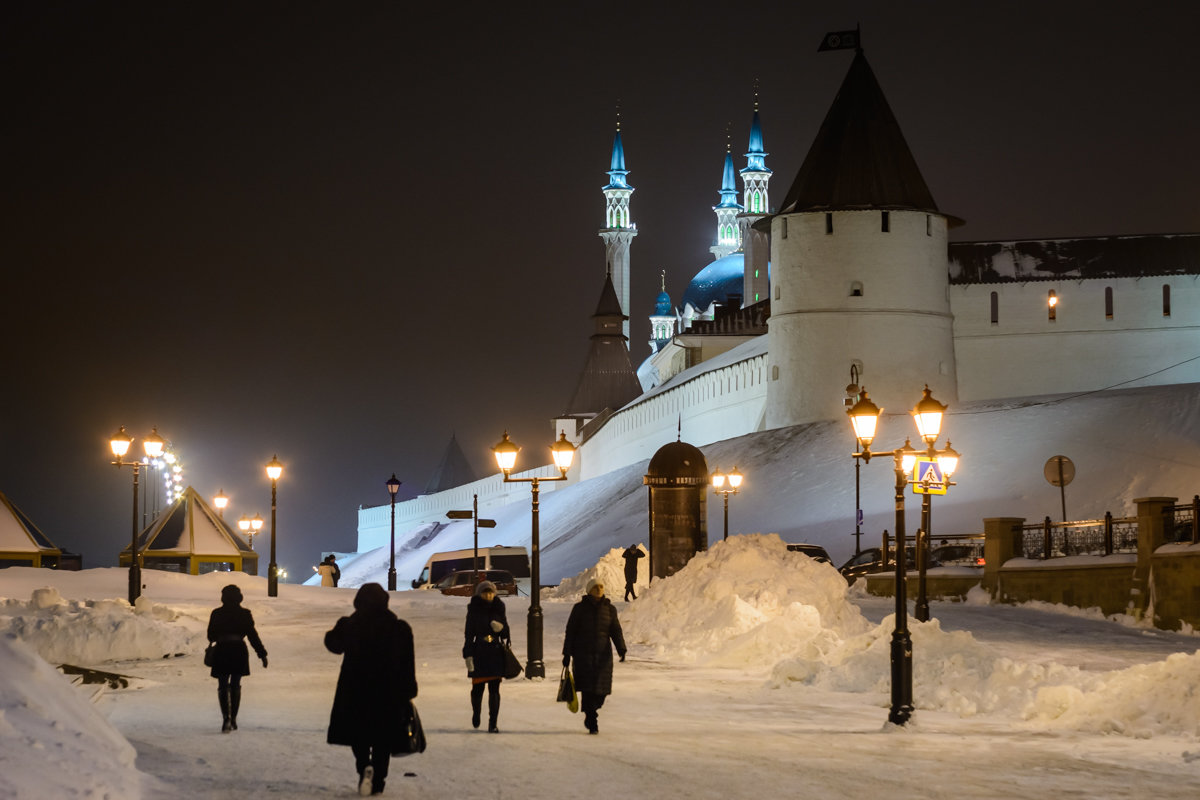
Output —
(223, 699)
(493, 711)
(235, 700)
(476, 704)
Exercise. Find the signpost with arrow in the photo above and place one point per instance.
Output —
(479, 523)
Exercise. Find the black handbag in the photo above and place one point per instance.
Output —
(512, 667)
(209, 654)
(566, 691)
(412, 739)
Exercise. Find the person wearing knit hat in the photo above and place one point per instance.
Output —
(593, 629)
(228, 628)
(485, 638)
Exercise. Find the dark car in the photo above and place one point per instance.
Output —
(813, 551)
(462, 583)
(957, 555)
(870, 561)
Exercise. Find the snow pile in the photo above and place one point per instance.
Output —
(90, 632)
(50, 735)
(610, 571)
(743, 603)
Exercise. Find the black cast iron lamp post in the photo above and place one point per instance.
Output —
(274, 470)
(725, 485)
(220, 501)
(393, 486)
(506, 457)
(153, 446)
(250, 526)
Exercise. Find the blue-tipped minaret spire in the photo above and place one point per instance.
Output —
(618, 230)
(729, 235)
(755, 244)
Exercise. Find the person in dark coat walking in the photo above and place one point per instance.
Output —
(593, 624)
(229, 626)
(375, 687)
(484, 639)
(631, 556)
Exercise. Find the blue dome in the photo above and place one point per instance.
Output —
(662, 306)
(716, 282)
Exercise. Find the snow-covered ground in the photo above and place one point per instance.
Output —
(754, 672)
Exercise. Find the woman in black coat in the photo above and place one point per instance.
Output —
(229, 626)
(485, 636)
(593, 624)
(375, 688)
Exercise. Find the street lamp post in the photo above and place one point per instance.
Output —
(506, 457)
(864, 416)
(250, 526)
(725, 485)
(393, 486)
(153, 446)
(274, 470)
(853, 395)
(220, 501)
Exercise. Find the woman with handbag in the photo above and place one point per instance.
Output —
(485, 639)
(593, 624)
(228, 628)
(372, 709)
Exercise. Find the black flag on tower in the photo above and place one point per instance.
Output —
(840, 40)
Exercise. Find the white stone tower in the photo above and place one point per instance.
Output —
(859, 260)
(756, 244)
(618, 230)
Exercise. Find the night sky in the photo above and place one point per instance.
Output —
(342, 232)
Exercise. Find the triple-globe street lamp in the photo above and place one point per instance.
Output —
(506, 457)
(153, 447)
(928, 413)
(274, 470)
(726, 484)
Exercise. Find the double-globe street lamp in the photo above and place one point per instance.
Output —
(506, 457)
(274, 470)
(393, 486)
(153, 447)
(250, 526)
(928, 413)
(726, 484)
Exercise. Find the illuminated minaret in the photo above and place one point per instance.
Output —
(729, 236)
(755, 244)
(618, 230)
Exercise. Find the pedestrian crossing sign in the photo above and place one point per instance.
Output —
(928, 477)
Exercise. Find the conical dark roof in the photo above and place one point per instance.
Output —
(454, 469)
(608, 379)
(859, 158)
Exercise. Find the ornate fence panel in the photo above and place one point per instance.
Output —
(1093, 537)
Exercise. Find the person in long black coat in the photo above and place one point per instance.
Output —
(229, 626)
(377, 683)
(631, 556)
(484, 638)
(593, 629)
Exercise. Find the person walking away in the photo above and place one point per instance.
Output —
(229, 626)
(375, 687)
(631, 556)
(325, 570)
(593, 629)
(485, 637)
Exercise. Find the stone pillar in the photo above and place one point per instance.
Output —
(1153, 514)
(1001, 542)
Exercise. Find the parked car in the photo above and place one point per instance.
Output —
(813, 551)
(462, 583)
(957, 555)
(870, 561)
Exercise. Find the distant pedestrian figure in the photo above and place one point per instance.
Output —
(485, 636)
(328, 571)
(631, 556)
(377, 681)
(229, 626)
(337, 573)
(593, 624)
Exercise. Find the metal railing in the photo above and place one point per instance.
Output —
(1093, 537)
(1181, 522)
